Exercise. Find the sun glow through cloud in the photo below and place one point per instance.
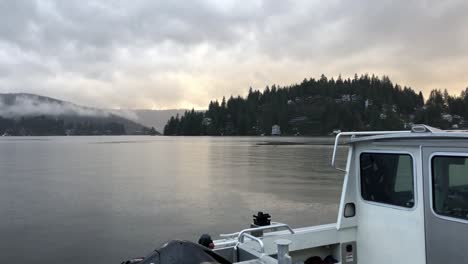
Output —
(179, 54)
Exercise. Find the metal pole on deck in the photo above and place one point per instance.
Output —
(283, 251)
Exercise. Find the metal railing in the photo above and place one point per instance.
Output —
(353, 134)
(260, 228)
(240, 239)
(235, 239)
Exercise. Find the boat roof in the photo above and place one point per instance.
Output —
(411, 135)
(417, 132)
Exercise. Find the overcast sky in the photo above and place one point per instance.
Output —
(181, 54)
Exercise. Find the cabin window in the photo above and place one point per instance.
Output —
(387, 178)
(450, 186)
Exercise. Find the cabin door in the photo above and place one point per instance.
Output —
(446, 204)
(390, 215)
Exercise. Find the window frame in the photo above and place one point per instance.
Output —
(431, 192)
(398, 207)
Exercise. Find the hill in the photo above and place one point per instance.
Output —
(31, 114)
(321, 106)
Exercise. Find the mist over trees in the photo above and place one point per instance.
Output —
(320, 106)
(23, 114)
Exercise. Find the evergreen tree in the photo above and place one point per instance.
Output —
(317, 107)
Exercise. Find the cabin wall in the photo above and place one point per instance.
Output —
(348, 194)
(446, 230)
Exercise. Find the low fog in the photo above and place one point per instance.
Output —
(30, 105)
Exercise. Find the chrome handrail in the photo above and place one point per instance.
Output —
(240, 239)
(266, 228)
(248, 230)
(363, 133)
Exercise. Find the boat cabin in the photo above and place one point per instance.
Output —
(404, 200)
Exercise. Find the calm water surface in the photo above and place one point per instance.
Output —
(106, 199)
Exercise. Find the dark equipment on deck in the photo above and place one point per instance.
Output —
(318, 260)
(205, 240)
(262, 219)
(183, 252)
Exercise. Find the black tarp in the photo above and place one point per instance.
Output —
(183, 252)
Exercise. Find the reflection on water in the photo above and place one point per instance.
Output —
(90, 199)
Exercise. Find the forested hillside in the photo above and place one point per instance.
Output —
(320, 106)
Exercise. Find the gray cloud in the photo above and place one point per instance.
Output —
(163, 54)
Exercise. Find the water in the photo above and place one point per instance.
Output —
(107, 199)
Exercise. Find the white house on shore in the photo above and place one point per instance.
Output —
(276, 130)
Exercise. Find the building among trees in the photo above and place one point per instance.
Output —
(276, 130)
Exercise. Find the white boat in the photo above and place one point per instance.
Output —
(404, 200)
